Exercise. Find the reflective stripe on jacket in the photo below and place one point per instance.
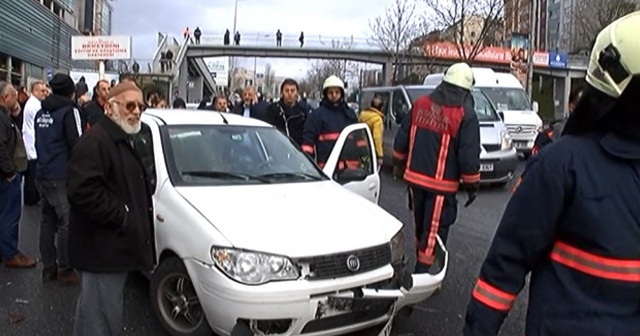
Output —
(439, 142)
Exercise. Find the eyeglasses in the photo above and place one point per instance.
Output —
(131, 106)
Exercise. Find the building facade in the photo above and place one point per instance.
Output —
(94, 16)
(517, 19)
(35, 39)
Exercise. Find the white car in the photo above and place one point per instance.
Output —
(251, 234)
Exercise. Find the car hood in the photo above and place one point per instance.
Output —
(293, 219)
(522, 118)
(490, 133)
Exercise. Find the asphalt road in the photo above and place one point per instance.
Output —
(48, 310)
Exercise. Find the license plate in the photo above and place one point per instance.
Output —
(358, 304)
(486, 167)
(520, 144)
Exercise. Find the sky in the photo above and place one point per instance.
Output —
(320, 20)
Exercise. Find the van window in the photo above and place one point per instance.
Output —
(509, 99)
(483, 107)
(367, 96)
(399, 102)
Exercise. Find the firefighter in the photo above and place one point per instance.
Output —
(322, 128)
(574, 221)
(438, 145)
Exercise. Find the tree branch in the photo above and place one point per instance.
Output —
(590, 17)
(395, 30)
(469, 24)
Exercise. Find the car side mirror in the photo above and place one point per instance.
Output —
(536, 106)
(501, 115)
(351, 175)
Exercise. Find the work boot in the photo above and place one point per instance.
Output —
(68, 278)
(49, 275)
(20, 261)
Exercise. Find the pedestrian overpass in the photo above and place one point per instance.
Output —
(191, 71)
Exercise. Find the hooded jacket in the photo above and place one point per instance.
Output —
(57, 129)
(374, 118)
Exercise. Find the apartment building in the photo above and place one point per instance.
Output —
(36, 39)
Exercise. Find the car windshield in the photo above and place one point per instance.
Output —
(484, 110)
(231, 155)
(506, 99)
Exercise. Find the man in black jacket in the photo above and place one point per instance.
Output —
(57, 129)
(249, 107)
(288, 115)
(95, 108)
(10, 179)
(111, 230)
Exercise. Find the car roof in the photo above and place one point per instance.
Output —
(191, 117)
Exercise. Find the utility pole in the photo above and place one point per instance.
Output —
(235, 20)
(533, 28)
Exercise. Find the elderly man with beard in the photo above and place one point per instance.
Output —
(111, 230)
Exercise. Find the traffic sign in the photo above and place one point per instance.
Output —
(49, 73)
(558, 60)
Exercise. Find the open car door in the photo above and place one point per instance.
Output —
(353, 162)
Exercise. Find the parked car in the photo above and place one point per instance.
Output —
(498, 158)
(250, 232)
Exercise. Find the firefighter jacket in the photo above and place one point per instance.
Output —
(574, 224)
(439, 142)
(322, 128)
(375, 120)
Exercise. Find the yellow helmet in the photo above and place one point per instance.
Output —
(615, 56)
(459, 74)
(333, 81)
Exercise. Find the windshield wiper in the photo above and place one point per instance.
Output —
(222, 174)
(292, 175)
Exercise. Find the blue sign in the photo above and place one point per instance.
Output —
(49, 73)
(558, 60)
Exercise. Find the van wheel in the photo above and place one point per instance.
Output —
(175, 302)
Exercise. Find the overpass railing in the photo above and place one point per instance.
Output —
(254, 39)
(290, 40)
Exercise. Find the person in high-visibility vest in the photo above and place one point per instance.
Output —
(574, 222)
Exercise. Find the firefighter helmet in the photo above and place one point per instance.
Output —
(614, 57)
(333, 81)
(459, 74)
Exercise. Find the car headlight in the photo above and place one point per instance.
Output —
(397, 247)
(253, 268)
(506, 140)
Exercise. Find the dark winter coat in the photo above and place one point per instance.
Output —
(110, 191)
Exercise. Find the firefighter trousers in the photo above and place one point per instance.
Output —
(433, 215)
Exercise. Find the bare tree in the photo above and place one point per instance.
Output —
(395, 30)
(321, 69)
(269, 78)
(469, 24)
(591, 16)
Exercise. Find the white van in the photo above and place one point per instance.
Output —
(507, 96)
(498, 159)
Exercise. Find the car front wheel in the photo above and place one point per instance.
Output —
(175, 302)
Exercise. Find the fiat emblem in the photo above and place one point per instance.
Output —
(353, 263)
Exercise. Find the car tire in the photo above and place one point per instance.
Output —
(175, 302)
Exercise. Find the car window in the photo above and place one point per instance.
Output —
(224, 155)
(356, 154)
